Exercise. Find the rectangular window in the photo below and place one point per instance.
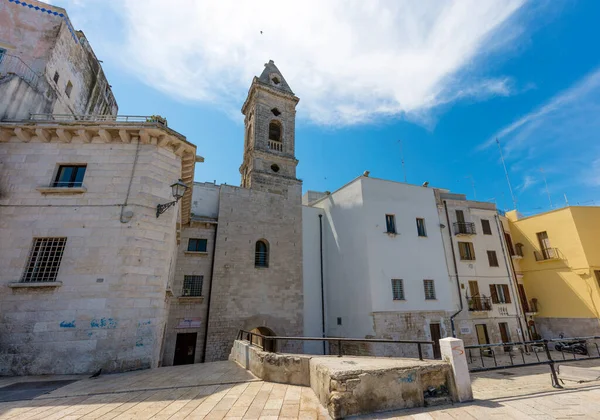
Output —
(2, 52)
(500, 293)
(492, 258)
(421, 227)
(339, 320)
(485, 227)
(192, 285)
(44, 260)
(69, 176)
(197, 245)
(466, 250)
(68, 88)
(398, 289)
(390, 223)
(429, 289)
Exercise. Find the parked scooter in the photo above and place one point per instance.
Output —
(571, 346)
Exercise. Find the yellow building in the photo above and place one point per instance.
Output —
(556, 257)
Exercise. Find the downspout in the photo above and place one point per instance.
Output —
(510, 269)
(455, 272)
(322, 283)
(212, 278)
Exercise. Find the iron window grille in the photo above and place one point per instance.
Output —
(261, 254)
(398, 289)
(429, 287)
(390, 223)
(69, 176)
(421, 227)
(197, 245)
(192, 285)
(493, 259)
(44, 260)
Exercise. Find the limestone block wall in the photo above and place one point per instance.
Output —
(110, 310)
(186, 312)
(244, 296)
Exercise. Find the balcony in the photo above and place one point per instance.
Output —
(531, 306)
(464, 228)
(517, 252)
(275, 145)
(479, 304)
(546, 254)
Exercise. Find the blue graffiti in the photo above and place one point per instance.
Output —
(67, 324)
(103, 323)
(407, 379)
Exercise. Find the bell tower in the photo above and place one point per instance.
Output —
(269, 146)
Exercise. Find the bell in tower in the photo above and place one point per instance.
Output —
(269, 147)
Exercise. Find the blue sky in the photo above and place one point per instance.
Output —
(445, 78)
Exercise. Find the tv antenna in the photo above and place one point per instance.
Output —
(546, 184)
(506, 173)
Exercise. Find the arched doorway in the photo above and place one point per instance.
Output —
(266, 344)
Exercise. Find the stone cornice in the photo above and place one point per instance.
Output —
(108, 133)
(257, 85)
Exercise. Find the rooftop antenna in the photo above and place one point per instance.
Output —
(473, 185)
(546, 184)
(402, 160)
(566, 200)
(506, 173)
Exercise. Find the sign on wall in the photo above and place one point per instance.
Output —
(189, 323)
(465, 330)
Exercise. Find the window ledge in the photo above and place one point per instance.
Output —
(392, 234)
(19, 284)
(195, 253)
(190, 299)
(62, 190)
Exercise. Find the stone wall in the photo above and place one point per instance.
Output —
(185, 313)
(570, 327)
(245, 296)
(109, 311)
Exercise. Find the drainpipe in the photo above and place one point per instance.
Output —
(212, 278)
(516, 294)
(455, 272)
(322, 283)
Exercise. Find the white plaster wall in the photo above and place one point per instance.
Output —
(312, 278)
(347, 290)
(405, 255)
(205, 199)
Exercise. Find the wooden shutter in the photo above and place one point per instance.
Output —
(474, 288)
(506, 293)
(494, 293)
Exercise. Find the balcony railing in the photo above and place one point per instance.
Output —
(546, 254)
(99, 118)
(276, 145)
(464, 228)
(479, 304)
(517, 253)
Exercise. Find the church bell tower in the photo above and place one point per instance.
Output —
(269, 147)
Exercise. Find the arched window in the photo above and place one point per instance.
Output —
(275, 131)
(261, 254)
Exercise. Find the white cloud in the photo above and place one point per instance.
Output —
(348, 61)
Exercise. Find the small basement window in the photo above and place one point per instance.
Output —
(68, 88)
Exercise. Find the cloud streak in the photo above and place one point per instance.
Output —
(350, 62)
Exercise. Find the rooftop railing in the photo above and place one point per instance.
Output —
(99, 118)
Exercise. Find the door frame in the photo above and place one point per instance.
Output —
(186, 359)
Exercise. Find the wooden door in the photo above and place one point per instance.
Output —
(504, 334)
(185, 349)
(436, 335)
(482, 334)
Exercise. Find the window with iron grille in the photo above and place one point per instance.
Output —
(429, 287)
(398, 289)
(390, 223)
(261, 254)
(492, 258)
(192, 285)
(466, 250)
(69, 176)
(197, 245)
(421, 227)
(44, 260)
(485, 227)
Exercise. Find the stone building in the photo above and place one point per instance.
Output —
(47, 66)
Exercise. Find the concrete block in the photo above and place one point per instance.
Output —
(453, 351)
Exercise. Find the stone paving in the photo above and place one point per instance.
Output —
(222, 390)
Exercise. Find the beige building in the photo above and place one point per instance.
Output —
(47, 66)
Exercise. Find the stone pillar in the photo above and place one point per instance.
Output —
(453, 351)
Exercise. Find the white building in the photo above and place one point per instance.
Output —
(384, 267)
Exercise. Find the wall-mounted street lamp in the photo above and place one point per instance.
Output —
(179, 189)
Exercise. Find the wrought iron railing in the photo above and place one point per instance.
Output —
(99, 118)
(546, 254)
(464, 228)
(479, 304)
